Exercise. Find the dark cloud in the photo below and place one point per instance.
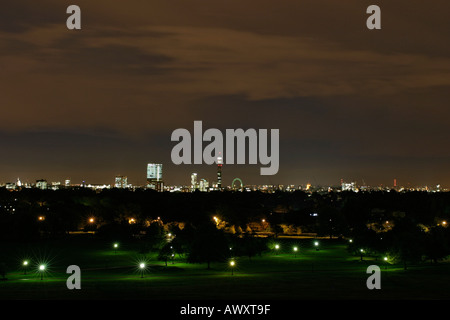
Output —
(19, 16)
(349, 102)
(112, 59)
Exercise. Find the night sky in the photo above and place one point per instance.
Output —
(350, 103)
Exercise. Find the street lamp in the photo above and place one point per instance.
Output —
(277, 247)
(362, 251)
(42, 269)
(25, 265)
(116, 245)
(316, 244)
(295, 251)
(232, 264)
(142, 267)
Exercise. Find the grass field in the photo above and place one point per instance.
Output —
(328, 274)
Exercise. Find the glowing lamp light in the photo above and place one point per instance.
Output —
(277, 246)
(25, 265)
(385, 258)
(91, 220)
(142, 267)
(295, 251)
(42, 269)
(316, 244)
(232, 264)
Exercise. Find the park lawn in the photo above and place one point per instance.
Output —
(330, 273)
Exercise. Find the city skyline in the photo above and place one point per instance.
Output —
(349, 103)
(212, 180)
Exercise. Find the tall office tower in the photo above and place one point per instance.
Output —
(194, 183)
(203, 185)
(154, 176)
(219, 172)
(120, 182)
(67, 183)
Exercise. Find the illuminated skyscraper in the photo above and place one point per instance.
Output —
(154, 176)
(219, 171)
(203, 185)
(194, 183)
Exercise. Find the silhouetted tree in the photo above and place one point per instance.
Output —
(406, 242)
(209, 245)
(436, 246)
(165, 253)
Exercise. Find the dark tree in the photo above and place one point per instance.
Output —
(406, 242)
(436, 246)
(165, 253)
(209, 245)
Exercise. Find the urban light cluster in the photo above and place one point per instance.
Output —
(155, 181)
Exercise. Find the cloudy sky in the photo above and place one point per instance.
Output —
(350, 103)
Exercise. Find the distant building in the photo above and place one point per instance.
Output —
(10, 185)
(348, 186)
(121, 182)
(219, 172)
(67, 183)
(155, 177)
(203, 185)
(55, 185)
(41, 184)
(194, 183)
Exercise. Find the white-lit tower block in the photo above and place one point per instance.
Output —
(194, 183)
(219, 171)
(154, 176)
